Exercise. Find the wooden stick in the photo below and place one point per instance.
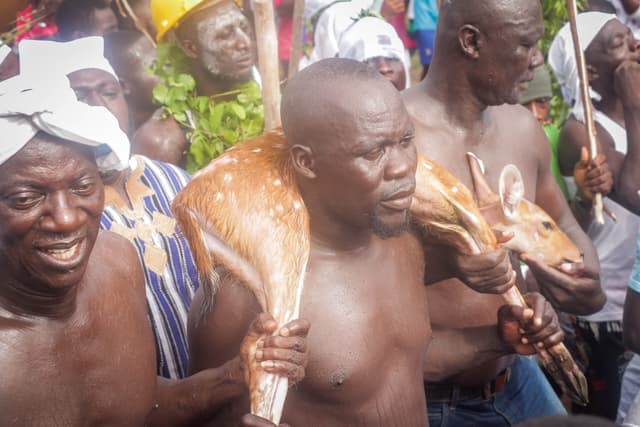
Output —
(267, 42)
(586, 100)
(296, 38)
(136, 21)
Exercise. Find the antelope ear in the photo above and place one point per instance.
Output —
(511, 189)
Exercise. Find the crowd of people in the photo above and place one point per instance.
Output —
(109, 107)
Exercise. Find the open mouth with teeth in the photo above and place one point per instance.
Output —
(63, 256)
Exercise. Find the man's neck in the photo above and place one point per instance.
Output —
(140, 116)
(331, 237)
(455, 98)
(22, 300)
(612, 107)
(209, 85)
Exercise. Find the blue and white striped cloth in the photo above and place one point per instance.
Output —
(169, 294)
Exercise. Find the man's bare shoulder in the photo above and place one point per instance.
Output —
(114, 257)
(160, 138)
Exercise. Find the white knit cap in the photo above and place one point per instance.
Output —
(28, 106)
(562, 56)
(43, 58)
(370, 37)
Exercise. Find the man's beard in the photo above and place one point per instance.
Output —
(385, 230)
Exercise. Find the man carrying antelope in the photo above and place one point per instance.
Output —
(485, 55)
(354, 163)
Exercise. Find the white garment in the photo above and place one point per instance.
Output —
(633, 417)
(29, 106)
(43, 58)
(562, 57)
(615, 242)
(632, 21)
(331, 24)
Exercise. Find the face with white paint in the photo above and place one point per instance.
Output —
(223, 41)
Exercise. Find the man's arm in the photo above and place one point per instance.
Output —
(627, 178)
(219, 377)
(519, 329)
(577, 291)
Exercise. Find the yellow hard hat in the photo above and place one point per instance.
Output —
(166, 14)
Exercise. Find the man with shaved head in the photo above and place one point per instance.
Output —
(354, 162)
(485, 54)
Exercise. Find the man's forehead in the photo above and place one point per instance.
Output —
(91, 77)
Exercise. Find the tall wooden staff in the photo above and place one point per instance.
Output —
(296, 38)
(586, 100)
(267, 43)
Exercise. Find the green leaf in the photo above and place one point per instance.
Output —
(160, 93)
(186, 81)
(238, 110)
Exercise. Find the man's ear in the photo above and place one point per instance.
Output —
(188, 47)
(469, 38)
(303, 160)
(592, 73)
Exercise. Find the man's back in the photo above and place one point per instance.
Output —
(69, 372)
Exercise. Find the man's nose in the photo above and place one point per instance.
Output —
(62, 215)
(401, 163)
(243, 41)
(383, 66)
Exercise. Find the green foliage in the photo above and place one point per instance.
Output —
(213, 126)
(555, 15)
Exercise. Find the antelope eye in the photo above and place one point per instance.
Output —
(547, 225)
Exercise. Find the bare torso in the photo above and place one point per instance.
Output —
(94, 368)
(369, 333)
(506, 139)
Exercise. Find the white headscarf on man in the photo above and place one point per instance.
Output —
(562, 58)
(29, 106)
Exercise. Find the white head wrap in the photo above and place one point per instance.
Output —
(368, 38)
(28, 107)
(562, 56)
(43, 58)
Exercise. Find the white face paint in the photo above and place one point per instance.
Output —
(225, 42)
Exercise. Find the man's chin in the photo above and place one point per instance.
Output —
(387, 229)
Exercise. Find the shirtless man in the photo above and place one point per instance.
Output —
(355, 162)
(355, 165)
(485, 54)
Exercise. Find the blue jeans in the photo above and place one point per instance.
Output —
(526, 395)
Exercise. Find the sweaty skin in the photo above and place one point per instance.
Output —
(95, 306)
(364, 295)
(457, 109)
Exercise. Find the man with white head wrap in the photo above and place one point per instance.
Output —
(65, 313)
(137, 207)
(375, 41)
(611, 55)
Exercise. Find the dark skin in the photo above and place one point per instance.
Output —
(219, 42)
(631, 321)
(214, 386)
(391, 68)
(353, 275)
(58, 295)
(9, 67)
(456, 109)
(354, 161)
(612, 63)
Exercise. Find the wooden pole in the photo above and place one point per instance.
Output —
(267, 43)
(296, 38)
(586, 100)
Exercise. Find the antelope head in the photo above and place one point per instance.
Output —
(534, 231)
